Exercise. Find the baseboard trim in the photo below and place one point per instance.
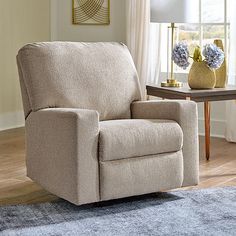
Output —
(212, 135)
(11, 120)
(217, 128)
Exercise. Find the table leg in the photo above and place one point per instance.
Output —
(207, 110)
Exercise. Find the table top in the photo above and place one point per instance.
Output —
(198, 95)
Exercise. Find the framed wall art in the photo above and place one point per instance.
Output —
(91, 12)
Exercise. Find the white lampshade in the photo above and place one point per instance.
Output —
(175, 11)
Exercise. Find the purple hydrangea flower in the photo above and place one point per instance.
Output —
(180, 55)
(214, 56)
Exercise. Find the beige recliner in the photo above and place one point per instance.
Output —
(89, 138)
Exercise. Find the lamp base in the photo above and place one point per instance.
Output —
(171, 83)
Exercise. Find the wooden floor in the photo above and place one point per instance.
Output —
(16, 188)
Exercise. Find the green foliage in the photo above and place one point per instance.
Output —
(197, 55)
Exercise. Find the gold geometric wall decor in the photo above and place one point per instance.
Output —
(91, 12)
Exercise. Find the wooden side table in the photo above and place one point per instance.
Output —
(206, 96)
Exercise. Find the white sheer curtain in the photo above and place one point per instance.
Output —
(231, 105)
(143, 41)
(154, 53)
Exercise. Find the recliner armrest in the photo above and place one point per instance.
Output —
(62, 152)
(185, 114)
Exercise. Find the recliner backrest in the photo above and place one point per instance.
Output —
(99, 76)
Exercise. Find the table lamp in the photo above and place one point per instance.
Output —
(174, 11)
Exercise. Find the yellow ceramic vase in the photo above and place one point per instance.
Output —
(201, 76)
(221, 74)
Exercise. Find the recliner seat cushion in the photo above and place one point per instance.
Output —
(119, 139)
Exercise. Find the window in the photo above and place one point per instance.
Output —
(213, 24)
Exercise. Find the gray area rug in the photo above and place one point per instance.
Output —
(198, 212)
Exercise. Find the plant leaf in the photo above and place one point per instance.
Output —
(197, 55)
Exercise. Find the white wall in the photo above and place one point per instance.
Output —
(64, 30)
(21, 22)
(218, 119)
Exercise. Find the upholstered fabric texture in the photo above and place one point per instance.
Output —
(120, 139)
(185, 114)
(135, 176)
(62, 152)
(24, 93)
(88, 137)
(97, 76)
